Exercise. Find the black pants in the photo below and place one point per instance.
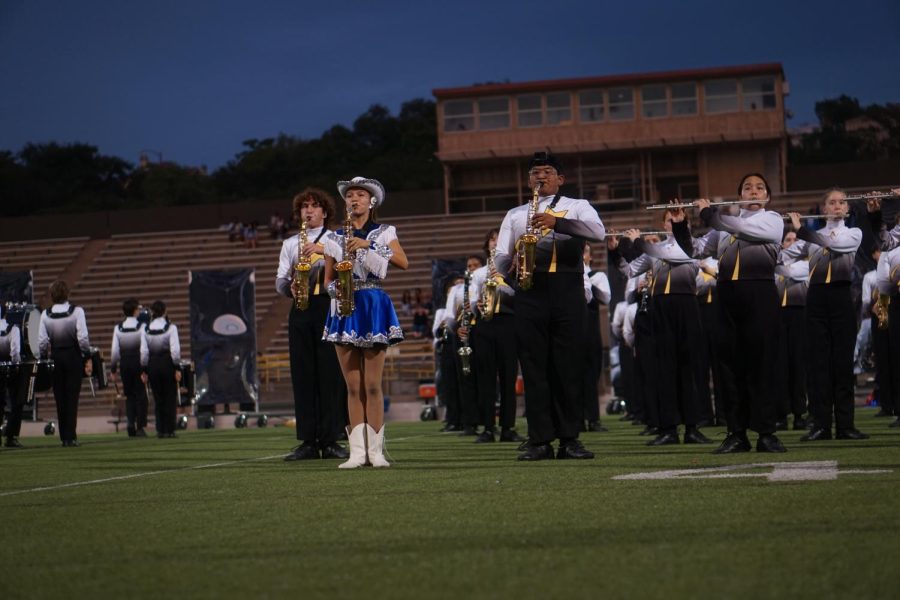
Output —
(885, 374)
(645, 369)
(676, 331)
(135, 396)
(468, 387)
(161, 374)
(448, 384)
(68, 370)
(593, 367)
(831, 330)
(710, 404)
(13, 393)
(550, 340)
(748, 328)
(320, 392)
(625, 388)
(894, 341)
(792, 358)
(494, 360)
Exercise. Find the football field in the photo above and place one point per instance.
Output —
(219, 514)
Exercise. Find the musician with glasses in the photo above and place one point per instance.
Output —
(13, 386)
(551, 313)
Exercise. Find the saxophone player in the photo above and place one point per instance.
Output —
(320, 396)
(549, 316)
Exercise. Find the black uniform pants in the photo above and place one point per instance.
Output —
(709, 362)
(593, 367)
(135, 396)
(748, 329)
(13, 393)
(645, 369)
(494, 360)
(626, 379)
(320, 393)
(68, 370)
(792, 358)
(894, 341)
(161, 375)
(468, 387)
(885, 374)
(550, 340)
(448, 384)
(831, 330)
(676, 332)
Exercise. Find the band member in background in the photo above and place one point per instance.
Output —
(320, 395)
(791, 283)
(163, 373)
(13, 381)
(550, 314)
(361, 339)
(129, 350)
(747, 246)
(599, 293)
(63, 336)
(494, 350)
(874, 315)
(625, 381)
(888, 282)
(713, 413)
(466, 383)
(447, 382)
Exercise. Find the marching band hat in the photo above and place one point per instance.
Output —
(373, 186)
(545, 159)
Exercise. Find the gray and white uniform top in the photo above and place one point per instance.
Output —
(596, 286)
(887, 273)
(129, 346)
(63, 327)
(161, 338)
(746, 245)
(557, 250)
(287, 261)
(792, 275)
(673, 271)
(10, 343)
(504, 297)
(706, 279)
(831, 252)
(889, 239)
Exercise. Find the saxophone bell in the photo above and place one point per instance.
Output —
(489, 292)
(344, 288)
(301, 270)
(528, 244)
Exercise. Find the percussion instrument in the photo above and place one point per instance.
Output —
(28, 318)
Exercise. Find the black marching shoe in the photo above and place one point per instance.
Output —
(450, 427)
(649, 431)
(71, 444)
(665, 439)
(627, 417)
(536, 452)
(895, 423)
(131, 432)
(485, 437)
(596, 427)
(573, 449)
(334, 450)
(467, 431)
(851, 434)
(769, 442)
(13, 442)
(304, 451)
(816, 435)
(734, 442)
(692, 435)
(140, 432)
(799, 423)
(510, 435)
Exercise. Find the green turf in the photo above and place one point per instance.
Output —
(449, 519)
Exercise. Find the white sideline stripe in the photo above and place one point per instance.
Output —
(134, 476)
(149, 473)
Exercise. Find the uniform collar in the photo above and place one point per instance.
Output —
(60, 308)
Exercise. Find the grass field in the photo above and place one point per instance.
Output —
(216, 514)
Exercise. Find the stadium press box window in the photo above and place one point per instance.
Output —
(459, 115)
(493, 113)
(591, 106)
(621, 104)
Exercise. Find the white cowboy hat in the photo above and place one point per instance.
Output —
(373, 186)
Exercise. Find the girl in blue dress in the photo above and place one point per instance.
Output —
(362, 337)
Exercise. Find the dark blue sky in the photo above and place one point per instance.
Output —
(192, 79)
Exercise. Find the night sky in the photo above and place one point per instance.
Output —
(193, 79)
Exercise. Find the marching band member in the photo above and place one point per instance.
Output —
(163, 374)
(887, 279)
(320, 395)
(873, 317)
(129, 350)
(494, 350)
(746, 246)
(362, 337)
(466, 382)
(447, 382)
(830, 318)
(713, 413)
(63, 336)
(13, 388)
(550, 314)
(791, 283)
(598, 292)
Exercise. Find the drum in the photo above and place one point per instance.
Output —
(98, 373)
(28, 319)
(188, 383)
(40, 374)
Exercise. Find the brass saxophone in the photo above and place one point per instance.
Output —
(880, 308)
(301, 271)
(344, 287)
(489, 291)
(465, 320)
(528, 243)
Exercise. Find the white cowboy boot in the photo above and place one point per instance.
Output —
(357, 438)
(375, 444)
